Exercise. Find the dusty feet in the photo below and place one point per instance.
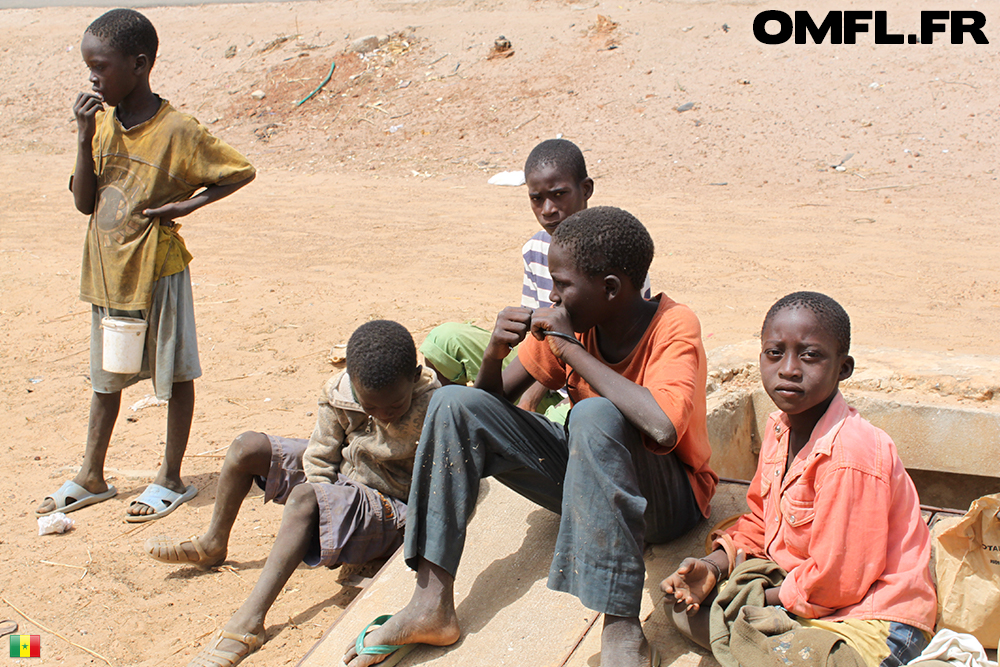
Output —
(76, 494)
(201, 552)
(413, 625)
(229, 646)
(139, 508)
(623, 644)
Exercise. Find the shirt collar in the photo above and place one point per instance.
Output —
(826, 429)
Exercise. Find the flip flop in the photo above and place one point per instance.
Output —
(161, 499)
(7, 628)
(394, 651)
(80, 497)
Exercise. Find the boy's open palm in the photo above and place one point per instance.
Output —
(690, 584)
(85, 109)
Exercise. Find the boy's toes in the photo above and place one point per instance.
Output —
(139, 509)
(48, 505)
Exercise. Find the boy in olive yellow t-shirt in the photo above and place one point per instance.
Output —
(140, 164)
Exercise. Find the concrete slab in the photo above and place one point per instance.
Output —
(508, 615)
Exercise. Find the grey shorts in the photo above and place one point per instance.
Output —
(171, 352)
(356, 522)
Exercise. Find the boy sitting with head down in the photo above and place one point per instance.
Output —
(343, 489)
(830, 504)
(555, 174)
(629, 467)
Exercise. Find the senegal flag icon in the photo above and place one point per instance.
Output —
(26, 646)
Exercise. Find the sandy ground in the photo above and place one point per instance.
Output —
(371, 201)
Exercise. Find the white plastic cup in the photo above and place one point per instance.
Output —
(124, 340)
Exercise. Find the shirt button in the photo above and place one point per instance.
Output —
(775, 472)
(792, 518)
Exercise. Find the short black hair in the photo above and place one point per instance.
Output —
(559, 153)
(605, 239)
(380, 353)
(126, 31)
(831, 315)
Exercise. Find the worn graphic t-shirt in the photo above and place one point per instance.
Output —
(166, 159)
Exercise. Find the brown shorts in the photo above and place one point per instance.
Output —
(356, 522)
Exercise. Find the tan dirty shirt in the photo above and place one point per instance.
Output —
(163, 160)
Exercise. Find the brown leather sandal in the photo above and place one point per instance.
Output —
(213, 656)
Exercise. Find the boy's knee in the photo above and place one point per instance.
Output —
(248, 446)
(597, 412)
(302, 500)
(455, 398)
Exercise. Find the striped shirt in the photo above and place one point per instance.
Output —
(537, 279)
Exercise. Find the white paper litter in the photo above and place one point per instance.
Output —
(147, 401)
(54, 523)
(514, 178)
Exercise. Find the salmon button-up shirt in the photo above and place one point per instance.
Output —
(844, 522)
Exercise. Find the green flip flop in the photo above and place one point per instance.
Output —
(394, 652)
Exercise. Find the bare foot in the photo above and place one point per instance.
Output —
(415, 624)
(623, 643)
(197, 551)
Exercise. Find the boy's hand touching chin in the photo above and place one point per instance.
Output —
(85, 111)
(513, 324)
(554, 325)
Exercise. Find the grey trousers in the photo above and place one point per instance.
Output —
(612, 493)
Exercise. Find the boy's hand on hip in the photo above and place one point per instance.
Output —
(512, 326)
(85, 109)
(170, 211)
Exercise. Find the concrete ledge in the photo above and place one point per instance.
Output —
(955, 442)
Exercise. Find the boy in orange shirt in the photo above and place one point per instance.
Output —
(629, 467)
(830, 503)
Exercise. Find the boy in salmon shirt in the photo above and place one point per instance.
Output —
(831, 504)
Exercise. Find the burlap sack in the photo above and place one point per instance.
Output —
(967, 568)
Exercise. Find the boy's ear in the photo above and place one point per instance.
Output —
(141, 65)
(612, 286)
(846, 367)
(587, 185)
(416, 374)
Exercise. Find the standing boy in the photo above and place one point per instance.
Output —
(629, 467)
(140, 164)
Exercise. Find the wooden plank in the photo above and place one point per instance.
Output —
(661, 560)
(508, 615)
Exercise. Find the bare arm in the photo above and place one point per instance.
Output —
(633, 400)
(212, 193)
(84, 182)
(531, 398)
